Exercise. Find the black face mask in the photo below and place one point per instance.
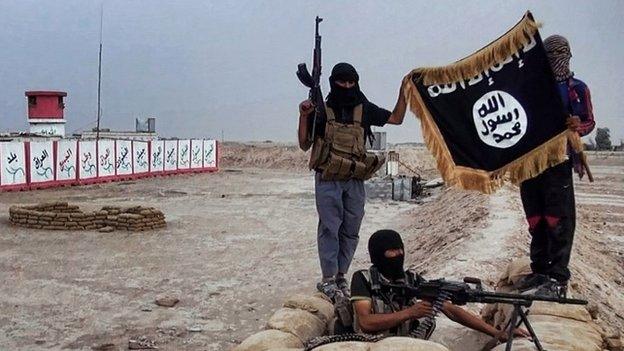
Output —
(339, 97)
(378, 244)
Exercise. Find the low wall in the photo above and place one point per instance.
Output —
(63, 216)
(558, 326)
(303, 318)
(43, 164)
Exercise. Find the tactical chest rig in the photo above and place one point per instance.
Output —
(341, 153)
(384, 301)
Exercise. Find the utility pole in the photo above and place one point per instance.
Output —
(99, 110)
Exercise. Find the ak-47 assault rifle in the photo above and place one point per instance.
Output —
(313, 82)
(461, 293)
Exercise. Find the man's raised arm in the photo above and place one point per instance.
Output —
(305, 110)
(398, 113)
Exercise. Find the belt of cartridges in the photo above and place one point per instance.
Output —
(323, 340)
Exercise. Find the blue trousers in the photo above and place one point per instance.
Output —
(340, 206)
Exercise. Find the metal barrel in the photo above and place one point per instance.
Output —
(509, 296)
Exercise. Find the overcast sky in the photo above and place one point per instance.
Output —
(201, 67)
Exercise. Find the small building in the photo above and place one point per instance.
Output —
(106, 133)
(46, 113)
(145, 130)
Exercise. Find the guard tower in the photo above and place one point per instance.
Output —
(45, 112)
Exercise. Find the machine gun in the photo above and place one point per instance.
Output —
(313, 82)
(470, 291)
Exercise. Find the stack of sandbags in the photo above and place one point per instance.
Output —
(388, 344)
(300, 319)
(558, 326)
(305, 317)
(62, 216)
(143, 219)
(112, 210)
(52, 217)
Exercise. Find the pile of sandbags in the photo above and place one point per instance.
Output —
(388, 344)
(300, 319)
(63, 216)
(558, 326)
(135, 218)
(303, 318)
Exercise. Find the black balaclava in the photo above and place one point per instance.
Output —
(379, 242)
(559, 54)
(339, 97)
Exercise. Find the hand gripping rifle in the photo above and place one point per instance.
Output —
(460, 293)
(313, 81)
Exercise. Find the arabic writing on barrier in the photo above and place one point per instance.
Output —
(12, 157)
(87, 163)
(140, 157)
(156, 159)
(197, 155)
(122, 160)
(40, 167)
(106, 162)
(64, 164)
(208, 158)
(171, 160)
(183, 158)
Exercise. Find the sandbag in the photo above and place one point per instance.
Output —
(298, 322)
(398, 343)
(269, 340)
(322, 296)
(561, 334)
(315, 305)
(498, 314)
(345, 346)
(516, 270)
(558, 326)
(576, 312)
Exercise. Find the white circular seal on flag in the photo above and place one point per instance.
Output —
(500, 119)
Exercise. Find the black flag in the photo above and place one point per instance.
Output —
(494, 115)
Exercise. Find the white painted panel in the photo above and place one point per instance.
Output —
(13, 163)
(171, 155)
(41, 161)
(158, 156)
(141, 156)
(210, 153)
(66, 159)
(184, 154)
(106, 158)
(197, 150)
(123, 162)
(87, 160)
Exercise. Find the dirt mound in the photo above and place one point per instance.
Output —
(440, 226)
(288, 156)
(417, 159)
(263, 155)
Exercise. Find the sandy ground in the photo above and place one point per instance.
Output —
(239, 241)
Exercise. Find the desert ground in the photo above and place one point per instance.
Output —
(239, 241)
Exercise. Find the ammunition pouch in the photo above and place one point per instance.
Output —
(341, 154)
(381, 302)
